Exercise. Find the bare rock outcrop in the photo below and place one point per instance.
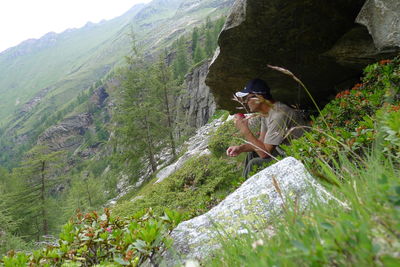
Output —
(382, 18)
(195, 104)
(68, 134)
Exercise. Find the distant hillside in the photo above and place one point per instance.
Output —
(59, 66)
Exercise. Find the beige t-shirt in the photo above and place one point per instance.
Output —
(280, 119)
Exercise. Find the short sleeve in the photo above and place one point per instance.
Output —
(276, 130)
(263, 125)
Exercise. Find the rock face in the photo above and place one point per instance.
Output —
(28, 106)
(195, 105)
(196, 145)
(296, 35)
(382, 18)
(99, 96)
(68, 134)
(253, 204)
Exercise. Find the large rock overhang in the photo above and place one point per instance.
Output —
(317, 40)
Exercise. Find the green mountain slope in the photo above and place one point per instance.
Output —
(59, 66)
(55, 60)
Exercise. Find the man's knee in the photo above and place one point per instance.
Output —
(254, 165)
(259, 162)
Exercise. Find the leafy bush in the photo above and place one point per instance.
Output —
(196, 187)
(92, 239)
(223, 138)
(348, 124)
(390, 129)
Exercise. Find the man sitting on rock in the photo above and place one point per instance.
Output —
(277, 121)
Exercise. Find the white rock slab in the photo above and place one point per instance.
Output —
(254, 203)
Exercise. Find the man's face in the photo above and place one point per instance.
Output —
(253, 102)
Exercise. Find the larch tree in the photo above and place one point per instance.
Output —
(167, 87)
(37, 177)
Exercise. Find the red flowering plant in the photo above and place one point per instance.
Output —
(349, 122)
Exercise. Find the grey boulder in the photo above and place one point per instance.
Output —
(259, 199)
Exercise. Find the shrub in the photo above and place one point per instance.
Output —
(349, 123)
(196, 187)
(223, 138)
(92, 239)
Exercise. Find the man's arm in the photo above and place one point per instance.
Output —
(256, 145)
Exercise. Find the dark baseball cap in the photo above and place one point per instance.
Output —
(255, 86)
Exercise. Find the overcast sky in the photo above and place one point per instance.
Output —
(24, 19)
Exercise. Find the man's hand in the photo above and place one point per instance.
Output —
(233, 151)
(241, 123)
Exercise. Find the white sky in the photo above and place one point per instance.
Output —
(24, 19)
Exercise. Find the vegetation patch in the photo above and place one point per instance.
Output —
(91, 239)
(349, 124)
(199, 185)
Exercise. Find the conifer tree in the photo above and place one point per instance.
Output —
(195, 40)
(166, 84)
(86, 193)
(36, 175)
(8, 225)
(209, 23)
(209, 47)
(199, 54)
(138, 115)
(181, 64)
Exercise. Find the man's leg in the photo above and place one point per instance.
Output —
(254, 162)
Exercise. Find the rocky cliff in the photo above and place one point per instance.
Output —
(195, 103)
(319, 41)
(68, 134)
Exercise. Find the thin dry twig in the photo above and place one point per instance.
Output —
(278, 189)
(235, 98)
(289, 73)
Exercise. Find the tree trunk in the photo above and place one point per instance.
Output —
(150, 153)
(87, 191)
(42, 197)
(166, 103)
(171, 136)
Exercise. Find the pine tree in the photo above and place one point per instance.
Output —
(86, 193)
(138, 116)
(166, 84)
(36, 175)
(209, 43)
(209, 23)
(195, 40)
(8, 225)
(181, 64)
(199, 54)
